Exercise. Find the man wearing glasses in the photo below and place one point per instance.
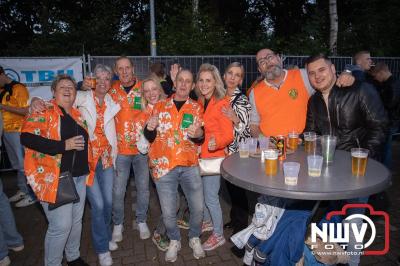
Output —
(279, 102)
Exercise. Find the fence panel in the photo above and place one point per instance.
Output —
(143, 63)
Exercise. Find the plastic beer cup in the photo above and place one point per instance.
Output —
(293, 138)
(359, 157)
(271, 161)
(310, 142)
(244, 149)
(92, 80)
(291, 172)
(328, 144)
(314, 165)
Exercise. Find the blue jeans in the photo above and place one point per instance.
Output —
(100, 199)
(141, 171)
(167, 189)
(65, 228)
(213, 211)
(15, 152)
(181, 209)
(9, 236)
(387, 157)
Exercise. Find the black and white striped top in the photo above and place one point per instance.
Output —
(240, 104)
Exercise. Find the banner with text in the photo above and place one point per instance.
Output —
(38, 73)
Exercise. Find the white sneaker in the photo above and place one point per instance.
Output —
(105, 259)
(172, 253)
(144, 231)
(112, 245)
(117, 233)
(5, 261)
(198, 251)
(25, 202)
(17, 248)
(18, 196)
(248, 257)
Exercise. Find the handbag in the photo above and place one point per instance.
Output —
(210, 166)
(66, 191)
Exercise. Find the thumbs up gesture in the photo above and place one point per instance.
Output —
(152, 123)
(194, 130)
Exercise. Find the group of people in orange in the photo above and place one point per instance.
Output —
(161, 129)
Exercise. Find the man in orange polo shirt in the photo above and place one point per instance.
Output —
(126, 92)
(279, 102)
(14, 98)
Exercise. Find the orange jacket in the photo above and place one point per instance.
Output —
(282, 110)
(172, 146)
(218, 125)
(13, 122)
(124, 120)
(42, 170)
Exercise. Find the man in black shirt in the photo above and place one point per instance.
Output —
(389, 89)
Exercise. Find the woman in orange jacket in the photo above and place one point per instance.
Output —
(218, 135)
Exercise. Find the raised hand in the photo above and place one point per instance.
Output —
(152, 123)
(86, 84)
(230, 113)
(195, 131)
(212, 144)
(174, 71)
(345, 80)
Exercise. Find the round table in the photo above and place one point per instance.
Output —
(336, 181)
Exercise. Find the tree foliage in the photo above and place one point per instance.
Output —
(100, 27)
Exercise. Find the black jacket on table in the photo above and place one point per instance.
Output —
(355, 112)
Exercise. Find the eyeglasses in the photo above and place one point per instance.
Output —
(266, 59)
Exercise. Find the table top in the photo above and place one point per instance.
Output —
(336, 181)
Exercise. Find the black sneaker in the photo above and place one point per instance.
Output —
(78, 262)
(239, 253)
(229, 225)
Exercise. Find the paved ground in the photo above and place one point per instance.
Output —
(32, 225)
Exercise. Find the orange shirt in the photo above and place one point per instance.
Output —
(19, 98)
(43, 170)
(218, 125)
(172, 146)
(100, 146)
(255, 83)
(282, 110)
(124, 120)
(140, 120)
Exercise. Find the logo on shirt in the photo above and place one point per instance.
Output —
(293, 93)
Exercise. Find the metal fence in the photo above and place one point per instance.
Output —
(143, 63)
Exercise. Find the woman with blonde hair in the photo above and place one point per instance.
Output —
(218, 135)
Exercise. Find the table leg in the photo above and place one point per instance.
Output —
(313, 211)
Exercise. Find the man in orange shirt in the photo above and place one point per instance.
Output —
(279, 102)
(14, 98)
(175, 131)
(126, 92)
